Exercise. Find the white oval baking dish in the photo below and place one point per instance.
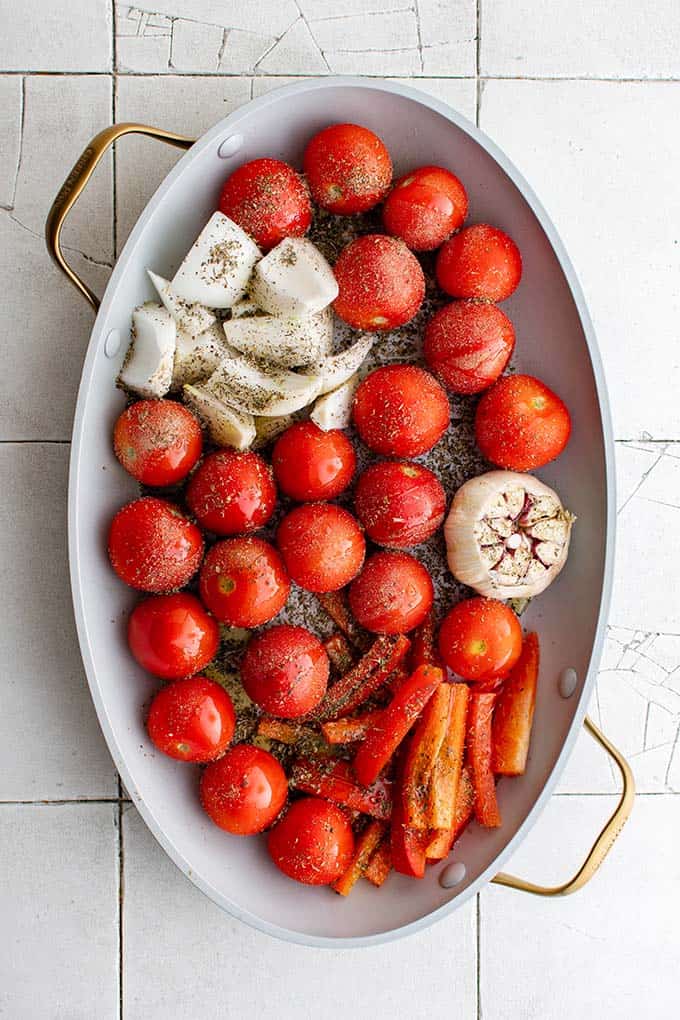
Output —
(555, 341)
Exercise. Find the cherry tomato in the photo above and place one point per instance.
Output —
(425, 207)
(348, 168)
(381, 284)
(153, 547)
(244, 582)
(480, 639)
(313, 843)
(172, 636)
(479, 262)
(244, 791)
(399, 504)
(322, 546)
(401, 411)
(392, 594)
(232, 492)
(521, 424)
(192, 719)
(269, 200)
(312, 464)
(468, 344)
(285, 671)
(157, 441)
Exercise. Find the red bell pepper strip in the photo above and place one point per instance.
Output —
(345, 731)
(333, 779)
(335, 604)
(394, 722)
(445, 776)
(407, 845)
(380, 864)
(277, 729)
(514, 713)
(339, 652)
(442, 840)
(423, 751)
(363, 851)
(480, 715)
(423, 648)
(363, 679)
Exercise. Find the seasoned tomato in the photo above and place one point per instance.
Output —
(480, 639)
(381, 284)
(313, 843)
(521, 424)
(244, 582)
(312, 464)
(157, 441)
(269, 200)
(153, 547)
(392, 594)
(479, 262)
(322, 546)
(399, 504)
(244, 791)
(425, 207)
(401, 411)
(468, 344)
(348, 168)
(232, 492)
(285, 671)
(172, 636)
(192, 719)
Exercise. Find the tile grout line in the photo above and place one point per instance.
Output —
(478, 50)
(382, 77)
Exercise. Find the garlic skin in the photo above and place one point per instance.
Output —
(507, 535)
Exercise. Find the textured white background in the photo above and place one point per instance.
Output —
(584, 95)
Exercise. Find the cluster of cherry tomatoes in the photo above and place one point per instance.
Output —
(400, 411)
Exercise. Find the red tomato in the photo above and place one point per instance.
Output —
(269, 200)
(521, 424)
(322, 546)
(468, 344)
(479, 262)
(399, 504)
(381, 284)
(192, 719)
(153, 547)
(232, 492)
(285, 671)
(313, 843)
(157, 441)
(401, 411)
(480, 639)
(312, 464)
(172, 636)
(392, 594)
(425, 207)
(244, 582)
(244, 791)
(348, 168)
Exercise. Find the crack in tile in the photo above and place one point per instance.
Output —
(66, 247)
(311, 35)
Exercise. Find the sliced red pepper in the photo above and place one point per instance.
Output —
(333, 779)
(335, 604)
(394, 722)
(407, 845)
(345, 731)
(277, 729)
(339, 652)
(445, 776)
(423, 752)
(363, 679)
(363, 851)
(479, 724)
(423, 648)
(514, 713)
(443, 839)
(380, 864)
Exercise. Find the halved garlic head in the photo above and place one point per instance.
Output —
(507, 535)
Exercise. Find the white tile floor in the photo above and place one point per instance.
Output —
(581, 95)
